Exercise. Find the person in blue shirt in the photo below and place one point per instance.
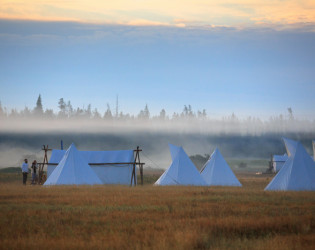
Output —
(24, 168)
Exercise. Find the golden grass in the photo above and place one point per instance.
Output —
(118, 217)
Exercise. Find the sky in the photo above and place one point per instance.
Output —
(253, 58)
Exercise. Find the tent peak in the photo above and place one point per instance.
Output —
(290, 146)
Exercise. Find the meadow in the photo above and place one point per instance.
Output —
(150, 217)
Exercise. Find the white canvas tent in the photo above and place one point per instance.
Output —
(181, 172)
(298, 172)
(108, 174)
(216, 172)
(73, 169)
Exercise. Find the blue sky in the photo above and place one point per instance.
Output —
(257, 71)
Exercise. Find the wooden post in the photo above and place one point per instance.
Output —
(135, 163)
(41, 166)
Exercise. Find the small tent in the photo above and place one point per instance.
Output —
(182, 171)
(278, 162)
(298, 172)
(73, 169)
(216, 172)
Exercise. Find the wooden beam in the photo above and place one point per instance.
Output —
(100, 164)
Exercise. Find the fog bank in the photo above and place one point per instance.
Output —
(229, 125)
(14, 147)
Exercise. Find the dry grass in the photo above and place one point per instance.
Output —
(117, 217)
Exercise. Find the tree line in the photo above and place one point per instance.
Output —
(188, 118)
(67, 111)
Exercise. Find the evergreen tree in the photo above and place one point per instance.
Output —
(144, 114)
(79, 113)
(62, 107)
(108, 114)
(96, 114)
(162, 115)
(38, 110)
(190, 112)
(69, 109)
(185, 111)
(88, 111)
(202, 115)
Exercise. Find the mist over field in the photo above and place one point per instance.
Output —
(235, 139)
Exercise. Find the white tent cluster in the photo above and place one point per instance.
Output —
(298, 172)
(76, 167)
(182, 171)
(73, 167)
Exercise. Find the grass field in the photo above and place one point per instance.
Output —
(148, 217)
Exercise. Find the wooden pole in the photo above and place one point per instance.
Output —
(41, 166)
(134, 168)
(135, 163)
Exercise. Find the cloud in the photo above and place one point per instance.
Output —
(142, 22)
(242, 13)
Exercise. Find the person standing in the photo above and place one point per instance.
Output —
(24, 168)
(34, 171)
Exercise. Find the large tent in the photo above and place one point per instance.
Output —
(108, 174)
(298, 172)
(73, 169)
(181, 172)
(290, 146)
(216, 172)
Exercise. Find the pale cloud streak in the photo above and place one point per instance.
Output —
(165, 12)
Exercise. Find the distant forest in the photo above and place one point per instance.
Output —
(67, 111)
(199, 120)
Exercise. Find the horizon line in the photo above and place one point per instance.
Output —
(143, 23)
